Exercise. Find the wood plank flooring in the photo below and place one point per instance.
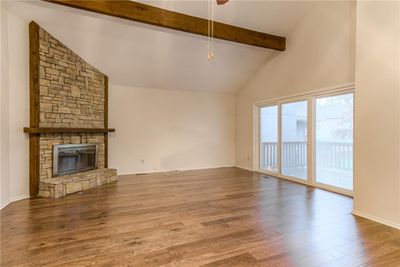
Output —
(217, 217)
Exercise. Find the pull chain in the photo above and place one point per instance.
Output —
(210, 30)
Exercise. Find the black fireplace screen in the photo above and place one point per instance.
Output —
(73, 158)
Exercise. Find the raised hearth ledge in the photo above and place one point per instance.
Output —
(72, 183)
(41, 130)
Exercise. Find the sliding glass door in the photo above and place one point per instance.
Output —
(334, 141)
(284, 151)
(310, 139)
(269, 138)
(294, 139)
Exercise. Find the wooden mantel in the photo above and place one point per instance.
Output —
(155, 16)
(41, 130)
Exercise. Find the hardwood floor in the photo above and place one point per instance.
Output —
(218, 217)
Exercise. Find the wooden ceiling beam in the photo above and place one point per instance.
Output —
(143, 13)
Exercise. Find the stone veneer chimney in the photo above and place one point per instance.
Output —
(72, 95)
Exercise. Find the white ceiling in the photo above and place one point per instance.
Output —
(140, 55)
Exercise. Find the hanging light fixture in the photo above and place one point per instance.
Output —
(211, 26)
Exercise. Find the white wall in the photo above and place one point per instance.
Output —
(14, 107)
(4, 191)
(169, 130)
(320, 53)
(377, 112)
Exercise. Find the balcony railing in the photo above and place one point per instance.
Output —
(269, 152)
(294, 154)
(338, 155)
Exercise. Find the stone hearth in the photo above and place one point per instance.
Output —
(68, 184)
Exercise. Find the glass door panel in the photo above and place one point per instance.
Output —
(269, 138)
(294, 139)
(334, 141)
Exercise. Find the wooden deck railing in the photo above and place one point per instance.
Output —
(269, 152)
(337, 155)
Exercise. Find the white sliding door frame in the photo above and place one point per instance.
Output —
(310, 97)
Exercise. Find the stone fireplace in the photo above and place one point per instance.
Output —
(72, 158)
(68, 120)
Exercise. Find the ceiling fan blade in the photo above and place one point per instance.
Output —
(221, 2)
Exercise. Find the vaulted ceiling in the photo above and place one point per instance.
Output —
(140, 55)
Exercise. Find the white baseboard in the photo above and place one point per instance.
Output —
(376, 219)
(5, 205)
(13, 199)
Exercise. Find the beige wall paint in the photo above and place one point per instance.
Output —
(320, 53)
(14, 105)
(4, 191)
(377, 112)
(15, 108)
(170, 130)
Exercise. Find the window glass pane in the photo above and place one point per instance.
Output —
(269, 138)
(294, 139)
(334, 141)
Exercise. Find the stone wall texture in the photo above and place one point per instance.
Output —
(68, 184)
(71, 90)
(72, 95)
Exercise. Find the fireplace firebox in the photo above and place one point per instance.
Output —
(72, 158)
